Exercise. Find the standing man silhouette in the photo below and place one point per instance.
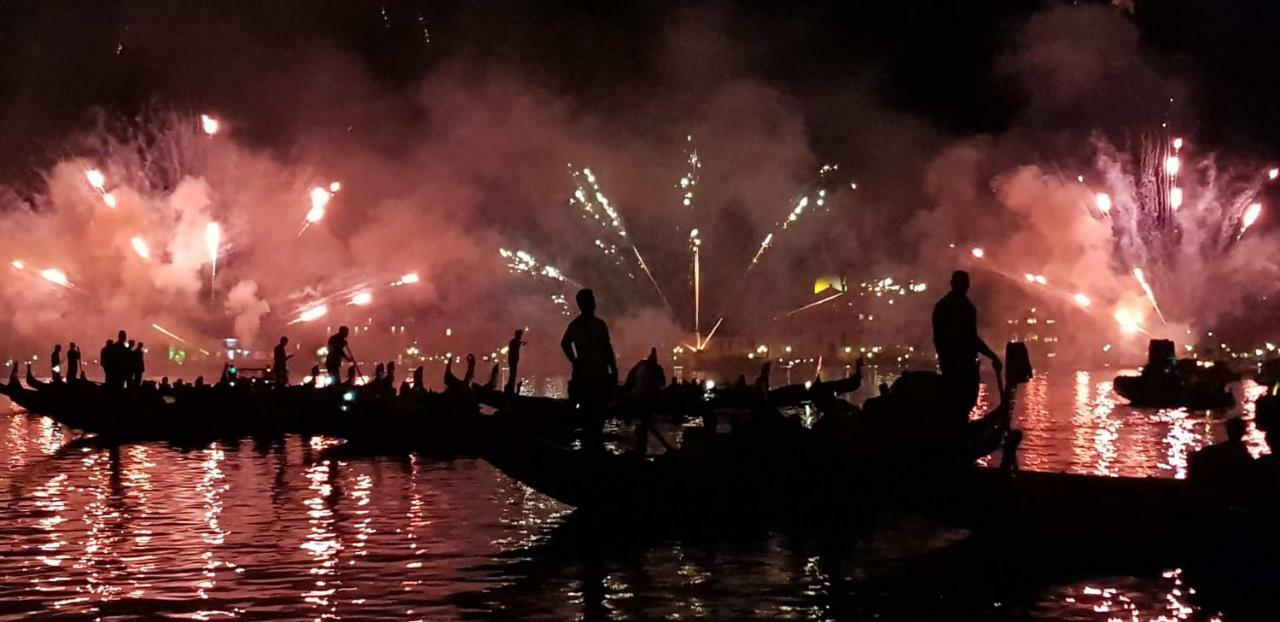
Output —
(280, 363)
(594, 380)
(73, 361)
(956, 339)
(337, 353)
(55, 363)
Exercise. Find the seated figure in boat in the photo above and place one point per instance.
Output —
(646, 377)
(1224, 468)
(1267, 468)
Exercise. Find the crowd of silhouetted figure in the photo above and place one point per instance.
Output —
(947, 399)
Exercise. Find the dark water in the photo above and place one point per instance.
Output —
(282, 531)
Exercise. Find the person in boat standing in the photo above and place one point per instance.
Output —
(73, 361)
(280, 363)
(338, 352)
(55, 363)
(513, 360)
(139, 366)
(125, 363)
(105, 360)
(956, 339)
(594, 379)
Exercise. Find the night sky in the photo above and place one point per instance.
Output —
(941, 62)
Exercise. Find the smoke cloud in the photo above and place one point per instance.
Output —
(476, 152)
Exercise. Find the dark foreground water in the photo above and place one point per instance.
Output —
(281, 531)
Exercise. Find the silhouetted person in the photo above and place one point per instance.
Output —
(391, 375)
(73, 361)
(139, 359)
(513, 360)
(1226, 467)
(595, 369)
(379, 371)
(315, 375)
(762, 381)
(164, 383)
(956, 339)
(337, 354)
(280, 363)
(417, 378)
(126, 362)
(647, 377)
(120, 359)
(55, 363)
(1267, 468)
(199, 382)
(105, 359)
(351, 375)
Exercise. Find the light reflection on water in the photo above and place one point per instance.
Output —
(285, 530)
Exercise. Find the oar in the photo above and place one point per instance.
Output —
(355, 364)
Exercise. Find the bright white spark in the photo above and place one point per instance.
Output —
(55, 276)
(1103, 201)
(96, 179)
(312, 314)
(1081, 299)
(362, 299)
(978, 253)
(140, 247)
(208, 124)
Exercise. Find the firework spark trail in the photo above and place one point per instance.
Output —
(703, 342)
(212, 240)
(170, 334)
(56, 276)
(1151, 296)
(1249, 217)
(801, 207)
(140, 247)
(815, 304)
(594, 203)
(688, 183)
(311, 314)
(524, 263)
(320, 197)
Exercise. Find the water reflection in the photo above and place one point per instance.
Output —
(283, 530)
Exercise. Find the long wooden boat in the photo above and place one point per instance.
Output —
(784, 469)
(682, 400)
(369, 418)
(1147, 392)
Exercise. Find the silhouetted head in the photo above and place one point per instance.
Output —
(653, 354)
(72, 346)
(284, 341)
(519, 334)
(110, 343)
(586, 301)
(57, 347)
(960, 282)
(1235, 429)
(121, 337)
(139, 348)
(130, 344)
(343, 330)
